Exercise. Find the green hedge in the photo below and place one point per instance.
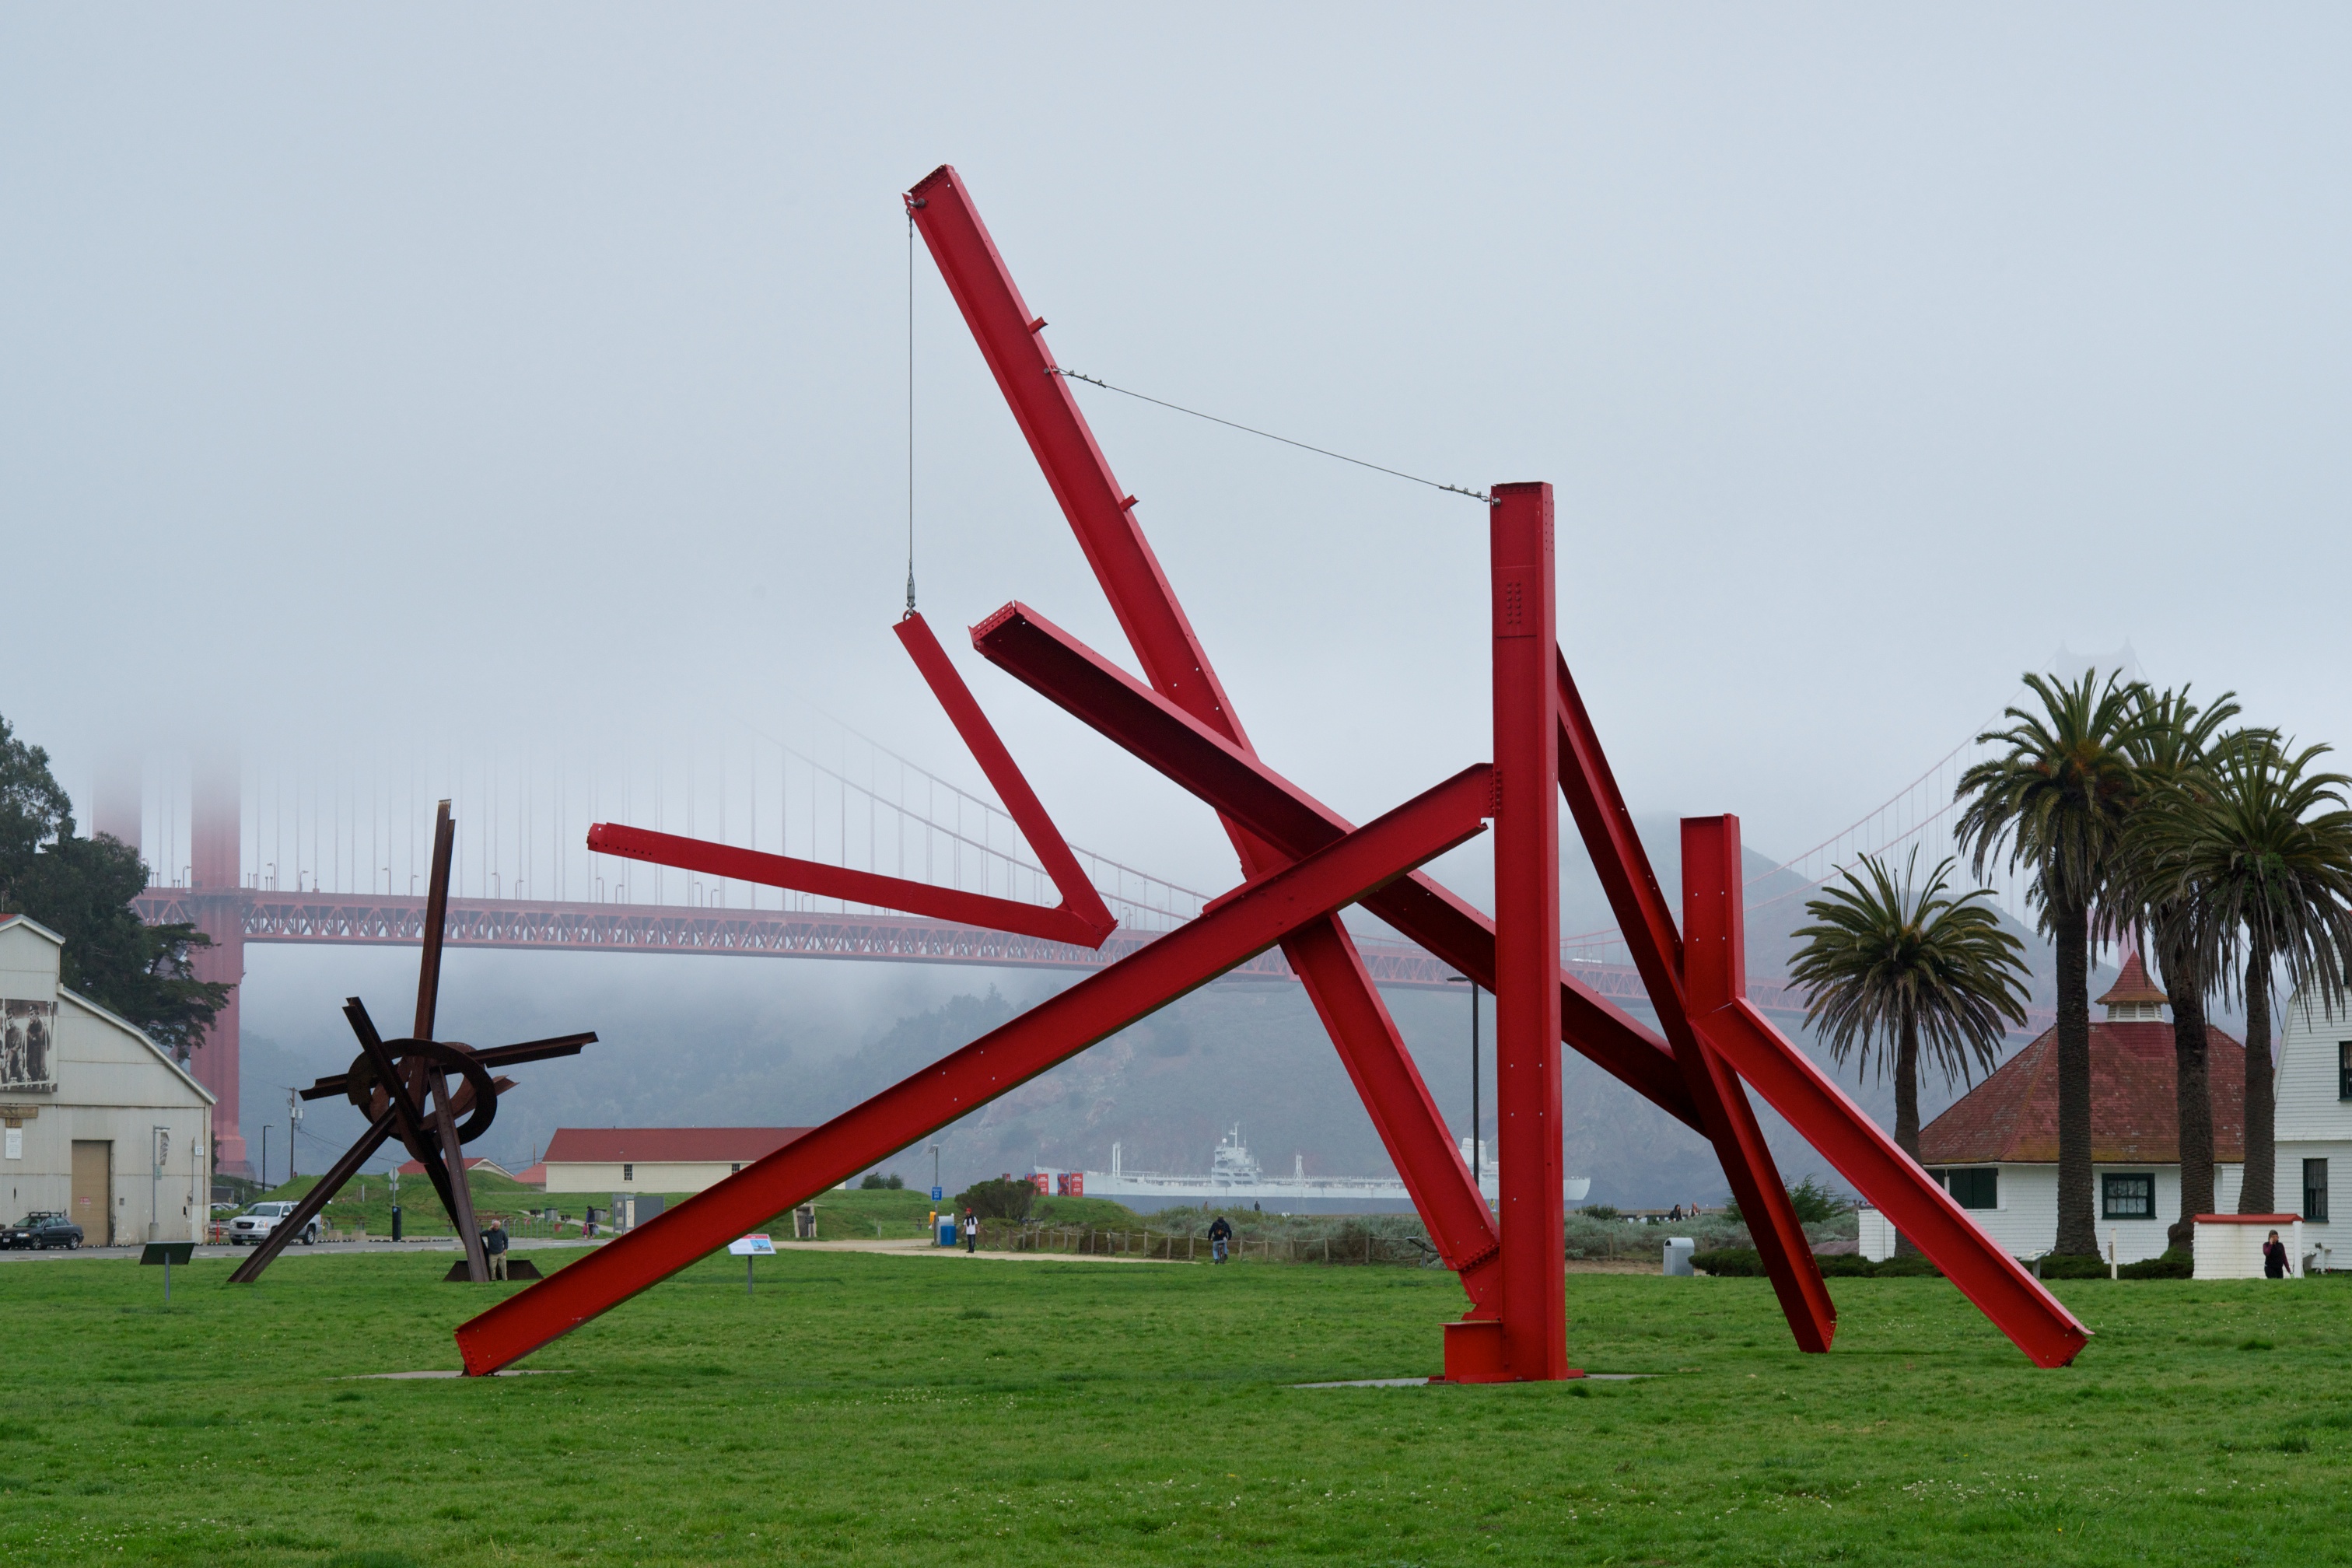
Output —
(1742, 1263)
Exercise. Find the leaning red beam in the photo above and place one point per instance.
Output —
(1253, 919)
(1101, 514)
(1080, 919)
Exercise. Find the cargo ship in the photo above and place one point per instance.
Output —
(1237, 1180)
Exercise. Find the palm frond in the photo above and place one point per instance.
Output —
(1887, 954)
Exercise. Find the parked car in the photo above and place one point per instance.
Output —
(254, 1226)
(41, 1230)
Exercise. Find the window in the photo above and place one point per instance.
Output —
(2315, 1189)
(1971, 1189)
(735, 1167)
(2127, 1197)
(2344, 1069)
(628, 1173)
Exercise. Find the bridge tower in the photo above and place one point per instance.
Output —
(215, 819)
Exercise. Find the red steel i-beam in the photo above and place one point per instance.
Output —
(1102, 515)
(1534, 1339)
(1716, 970)
(1243, 789)
(1251, 920)
(1648, 926)
(1081, 919)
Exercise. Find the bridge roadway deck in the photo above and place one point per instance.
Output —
(362, 920)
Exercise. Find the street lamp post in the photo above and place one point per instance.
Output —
(1477, 1143)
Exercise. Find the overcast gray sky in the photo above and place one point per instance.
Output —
(549, 363)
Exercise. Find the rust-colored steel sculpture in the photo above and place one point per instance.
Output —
(403, 1088)
(1301, 863)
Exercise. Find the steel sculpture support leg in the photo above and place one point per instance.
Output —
(1527, 946)
(1648, 926)
(1716, 969)
(315, 1199)
(1251, 920)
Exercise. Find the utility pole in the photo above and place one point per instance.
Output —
(293, 1119)
(1477, 1144)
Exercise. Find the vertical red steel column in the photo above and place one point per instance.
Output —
(1526, 937)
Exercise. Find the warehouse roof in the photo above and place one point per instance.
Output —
(676, 1145)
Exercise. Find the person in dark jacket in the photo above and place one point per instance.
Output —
(494, 1248)
(1221, 1231)
(970, 1231)
(2275, 1258)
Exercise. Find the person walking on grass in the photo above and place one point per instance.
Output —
(1221, 1231)
(494, 1248)
(2274, 1266)
(970, 1231)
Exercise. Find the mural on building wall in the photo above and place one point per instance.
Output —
(28, 1032)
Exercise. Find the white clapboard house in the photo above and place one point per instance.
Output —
(1996, 1149)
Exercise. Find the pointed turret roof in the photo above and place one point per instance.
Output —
(2133, 987)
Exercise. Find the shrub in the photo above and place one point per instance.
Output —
(2067, 1265)
(1598, 1211)
(997, 1199)
(872, 1184)
(2176, 1263)
(1813, 1202)
(1745, 1263)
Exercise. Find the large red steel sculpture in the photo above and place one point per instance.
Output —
(1302, 864)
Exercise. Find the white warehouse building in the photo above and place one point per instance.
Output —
(97, 1122)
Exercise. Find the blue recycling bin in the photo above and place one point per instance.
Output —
(947, 1237)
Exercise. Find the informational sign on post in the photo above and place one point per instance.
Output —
(167, 1253)
(749, 1247)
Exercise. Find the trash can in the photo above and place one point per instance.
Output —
(1678, 1255)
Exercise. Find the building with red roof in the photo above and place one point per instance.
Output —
(1996, 1148)
(473, 1163)
(655, 1159)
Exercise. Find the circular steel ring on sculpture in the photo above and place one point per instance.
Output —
(369, 1096)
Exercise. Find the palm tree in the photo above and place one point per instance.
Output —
(2270, 851)
(2057, 802)
(2172, 752)
(1893, 967)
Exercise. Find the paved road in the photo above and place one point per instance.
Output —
(912, 1248)
(324, 1249)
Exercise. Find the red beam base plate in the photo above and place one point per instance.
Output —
(1473, 1353)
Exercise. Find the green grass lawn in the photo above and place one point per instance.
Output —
(864, 1409)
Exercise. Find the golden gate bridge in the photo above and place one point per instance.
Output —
(330, 847)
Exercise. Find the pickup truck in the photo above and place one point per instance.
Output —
(41, 1230)
(252, 1228)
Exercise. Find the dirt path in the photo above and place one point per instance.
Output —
(917, 1247)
